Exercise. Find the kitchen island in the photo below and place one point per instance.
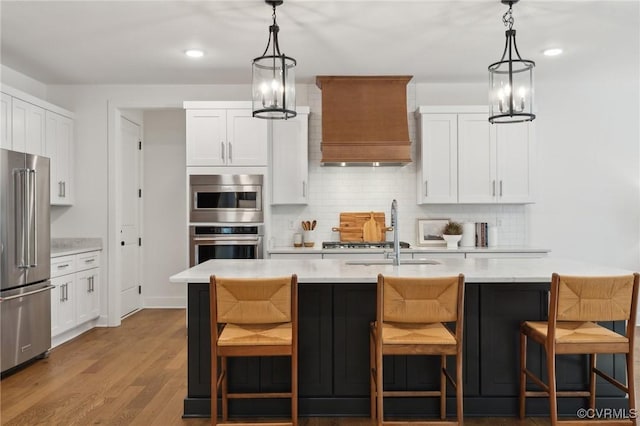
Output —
(336, 304)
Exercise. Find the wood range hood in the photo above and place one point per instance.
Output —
(364, 120)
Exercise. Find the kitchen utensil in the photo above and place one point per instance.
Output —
(371, 230)
(313, 224)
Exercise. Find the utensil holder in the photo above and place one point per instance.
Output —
(309, 238)
(297, 240)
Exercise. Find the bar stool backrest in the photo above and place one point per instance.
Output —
(420, 300)
(594, 298)
(253, 301)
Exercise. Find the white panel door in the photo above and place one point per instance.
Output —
(515, 151)
(129, 217)
(28, 127)
(290, 160)
(5, 121)
(476, 159)
(247, 139)
(438, 176)
(206, 137)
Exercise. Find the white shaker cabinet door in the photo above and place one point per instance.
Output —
(290, 160)
(206, 137)
(246, 139)
(5, 122)
(28, 127)
(438, 159)
(515, 159)
(87, 287)
(63, 304)
(476, 159)
(59, 148)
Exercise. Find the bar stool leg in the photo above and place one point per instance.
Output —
(214, 388)
(523, 376)
(553, 402)
(372, 382)
(631, 384)
(379, 388)
(225, 401)
(459, 393)
(443, 387)
(592, 381)
(294, 389)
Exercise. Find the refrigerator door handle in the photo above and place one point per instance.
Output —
(20, 188)
(32, 215)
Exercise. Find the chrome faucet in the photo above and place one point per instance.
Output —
(394, 225)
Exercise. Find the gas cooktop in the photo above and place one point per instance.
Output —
(361, 245)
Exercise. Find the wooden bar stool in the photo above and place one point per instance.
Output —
(576, 304)
(409, 321)
(253, 317)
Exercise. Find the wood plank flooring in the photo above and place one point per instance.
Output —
(132, 375)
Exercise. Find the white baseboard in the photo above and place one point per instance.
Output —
(164, 302)
(73, 333)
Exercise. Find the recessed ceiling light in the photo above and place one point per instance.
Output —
(194, 53)
(552, 52)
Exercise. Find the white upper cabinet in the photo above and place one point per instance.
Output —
(224, 136)
(5, 121)
(465, 159)
(59, 148)
(290, 160)
(476, 159)
(27, 127)
(514, 144)
(437, 174)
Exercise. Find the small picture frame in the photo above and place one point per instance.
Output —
(430, 232)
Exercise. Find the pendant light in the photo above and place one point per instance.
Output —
(274, 90)
(511, 80)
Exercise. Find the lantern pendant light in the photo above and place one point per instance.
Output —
(511, 80)
(274, 91)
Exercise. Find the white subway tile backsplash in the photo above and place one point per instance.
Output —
(338, 189)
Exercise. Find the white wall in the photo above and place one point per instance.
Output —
(588, 168)
(164, 248)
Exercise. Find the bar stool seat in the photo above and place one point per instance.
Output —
(417, 334)
(573, 332)
(255, 334)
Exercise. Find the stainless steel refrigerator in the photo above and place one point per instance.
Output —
(25, 263)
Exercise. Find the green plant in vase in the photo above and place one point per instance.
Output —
(452, 234)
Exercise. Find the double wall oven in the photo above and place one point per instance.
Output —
(226, 217)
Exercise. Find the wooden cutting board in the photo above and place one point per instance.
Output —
(352, 226)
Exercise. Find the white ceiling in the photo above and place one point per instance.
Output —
(142, 42)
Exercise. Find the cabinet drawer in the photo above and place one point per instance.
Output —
(87, 260)
(62, 265)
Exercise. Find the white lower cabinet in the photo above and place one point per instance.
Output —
(75, 300)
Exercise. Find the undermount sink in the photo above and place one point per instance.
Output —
(390, 262)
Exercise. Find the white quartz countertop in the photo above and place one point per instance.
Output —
(417, 249)
(69, 246)
(340, 271)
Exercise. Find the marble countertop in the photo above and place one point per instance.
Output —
(340, 271)
(416, 249)
(69, 246)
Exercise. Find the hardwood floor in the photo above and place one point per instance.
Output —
(132, 375)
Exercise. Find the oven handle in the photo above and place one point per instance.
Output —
(29, 293)
(232, 240)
